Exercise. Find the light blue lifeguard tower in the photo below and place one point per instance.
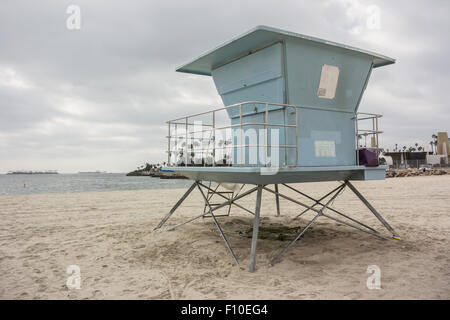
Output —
(291, 105)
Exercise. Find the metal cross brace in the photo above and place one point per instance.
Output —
(335, 193)
(210, 211)
(214, 191)
(210, 194)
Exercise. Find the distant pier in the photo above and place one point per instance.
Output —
(33, 172)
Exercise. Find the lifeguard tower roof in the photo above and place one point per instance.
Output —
(262, 36)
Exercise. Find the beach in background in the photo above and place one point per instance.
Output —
(109, 236)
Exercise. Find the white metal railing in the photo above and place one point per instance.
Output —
(185, 149)
(373, 132)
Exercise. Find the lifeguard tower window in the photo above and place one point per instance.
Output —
(328, 82)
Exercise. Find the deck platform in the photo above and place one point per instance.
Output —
(263, 175)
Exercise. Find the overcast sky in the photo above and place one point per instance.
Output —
(98, 97)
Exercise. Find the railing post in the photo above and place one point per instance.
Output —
(267, 135)
(214, 139)
(186, 145)
(376, 128)
(241, 134)
(296, 136)
(176, 143)
(168, 146)
(357, 139)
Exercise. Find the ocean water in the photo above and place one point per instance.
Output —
(62, 183)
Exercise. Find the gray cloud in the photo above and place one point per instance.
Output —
(98, 98)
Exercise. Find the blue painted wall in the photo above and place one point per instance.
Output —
(256, 77)
(304, 61)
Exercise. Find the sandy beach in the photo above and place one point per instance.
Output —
(110, 236)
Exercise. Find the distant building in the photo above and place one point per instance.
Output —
(443, 144)
(414, 159)
(407, 155)
(417, 160)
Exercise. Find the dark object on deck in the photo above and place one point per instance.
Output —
(368, 158)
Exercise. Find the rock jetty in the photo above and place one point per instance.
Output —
(395, 173)
(150, 170)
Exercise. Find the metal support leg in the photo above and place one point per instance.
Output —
(217, 224)
(209, 195)
(375, 212)
(176, 206)
(255, 229)
(277, 200)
